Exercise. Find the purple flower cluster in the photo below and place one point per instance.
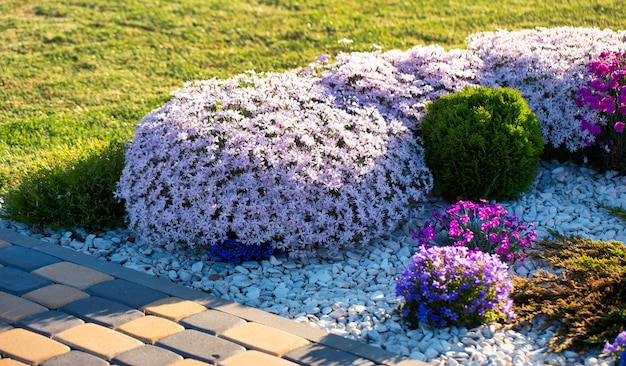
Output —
(606, 94)
(235, 253)
(548, 66)
(269, 158)
(483, 226)
(445, 286)
(617, 349)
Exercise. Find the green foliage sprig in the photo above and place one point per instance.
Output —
(586, 293)
(481, 143)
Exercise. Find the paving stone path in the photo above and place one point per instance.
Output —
(61, 307)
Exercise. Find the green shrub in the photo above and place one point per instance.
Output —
(70, 187)
(585, 294)
(481, 143)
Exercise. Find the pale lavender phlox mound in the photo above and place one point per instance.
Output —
(269, 158)
(400, 83)
(548, 66)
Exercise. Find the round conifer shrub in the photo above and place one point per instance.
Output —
(269, 159)
(481, 143)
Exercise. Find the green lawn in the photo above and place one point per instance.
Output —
(75, 70)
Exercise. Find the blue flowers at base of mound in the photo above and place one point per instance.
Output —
(235, 253)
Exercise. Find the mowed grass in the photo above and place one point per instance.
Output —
(74, 71)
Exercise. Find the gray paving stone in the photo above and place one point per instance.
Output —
(18, 282)
(146, 356)
(14, 308)
(211, 321)
(319, 355)
(125, 292)
(49, 323)
(5, 326)
(73, 358)
(202, 346)
(24, 258)
(101, 311)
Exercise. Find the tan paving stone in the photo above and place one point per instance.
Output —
(55, 296)
(73, 275)
(29, 347)
(4, 243)
(11, 362)
(264, 338)
(173, 308)
(98, 340)
(150, 328)
(14, 308)
(253, 357)
(190, 362)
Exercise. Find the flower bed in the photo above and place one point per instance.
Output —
(269, 158)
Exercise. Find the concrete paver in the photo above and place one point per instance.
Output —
(263, 338)
(49, 323)
(150, 328)
(98, 340)
(74, 358)
(29, 347)
(24, 258)
(173, 308)
(18, 282)
(102, 311)
(125, 292)
(13, 308)
(147, 355)
(253, 357)
(212, 321)
(11, 362)
(55, 296)
(321, 355)
(73, 275)
(191, 362)
(4, 326)
(201, 346)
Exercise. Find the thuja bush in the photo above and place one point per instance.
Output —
(71, 187)
(585, 293)
(445, 286)
(481, 143)
(548, 66)
(269, 158)
(477, 225)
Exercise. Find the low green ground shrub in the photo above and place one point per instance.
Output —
(71, 187)
(481, 143)
(586, 294)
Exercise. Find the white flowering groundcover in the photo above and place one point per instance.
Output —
(328, 157)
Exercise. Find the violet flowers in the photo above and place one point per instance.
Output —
(483, 226)
(617, 349)
(445, 286)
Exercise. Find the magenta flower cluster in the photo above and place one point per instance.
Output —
(606, 94)
(477, 225)
(617, 349)
(445, 286)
